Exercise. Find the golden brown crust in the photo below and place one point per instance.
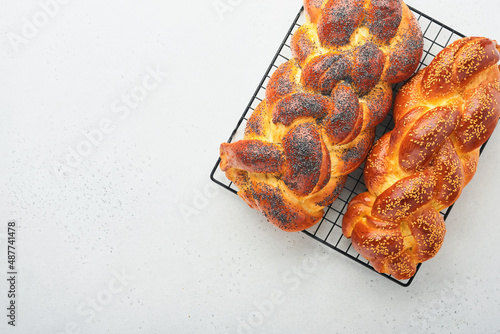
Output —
(313, 9)
(442, 115)
(427, 134)
(405, 197)
(317, 122)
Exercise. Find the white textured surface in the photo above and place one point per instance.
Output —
(120, 209)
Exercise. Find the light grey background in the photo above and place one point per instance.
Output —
(135, 239)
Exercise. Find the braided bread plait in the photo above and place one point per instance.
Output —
(317, 122)
(442, 117)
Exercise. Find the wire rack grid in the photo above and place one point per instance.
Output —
(329, 230)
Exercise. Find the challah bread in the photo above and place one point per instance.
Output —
(316, 124)
(442, 117)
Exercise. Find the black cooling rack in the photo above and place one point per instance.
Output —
(329, 230)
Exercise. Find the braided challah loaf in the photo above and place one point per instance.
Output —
(442, 117)
(317, 121)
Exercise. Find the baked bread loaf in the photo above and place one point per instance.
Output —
(317, 122)
(442, 117)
